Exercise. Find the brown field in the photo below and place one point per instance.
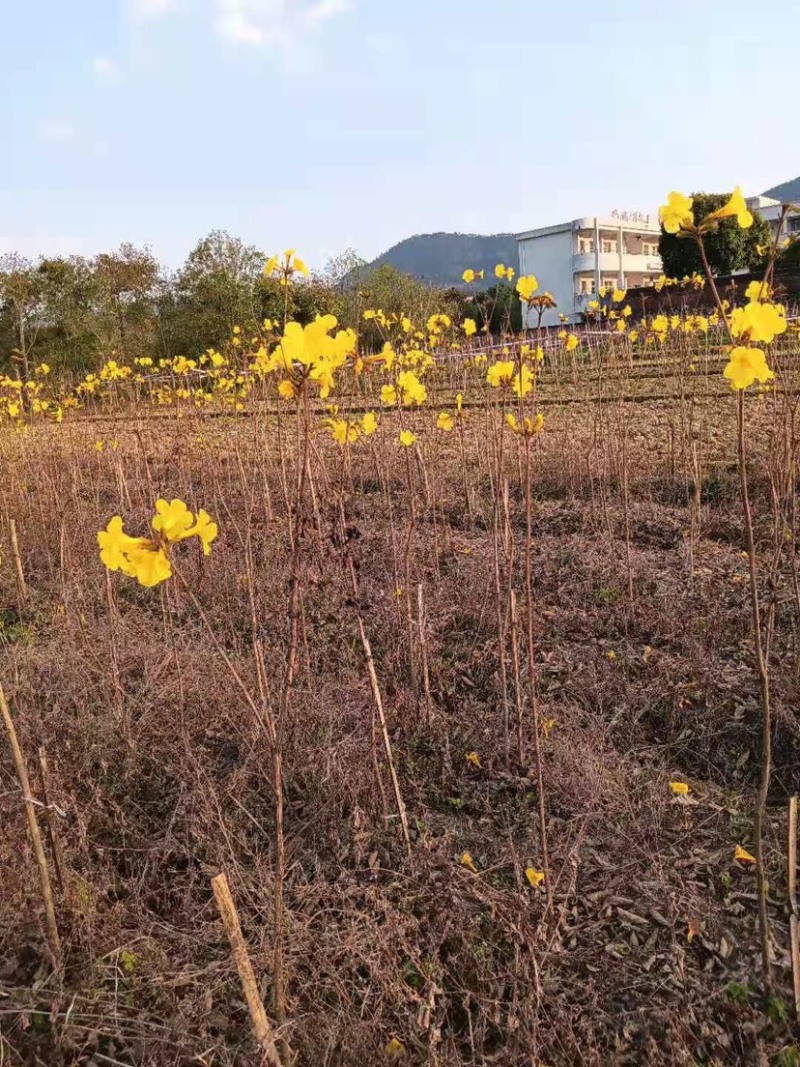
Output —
(161, 773)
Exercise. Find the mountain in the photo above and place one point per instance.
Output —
(786, 192)
(441, 258)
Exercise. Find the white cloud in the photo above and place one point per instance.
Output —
(105, 70)
(60, 130)
(274, 23)
(151, 8)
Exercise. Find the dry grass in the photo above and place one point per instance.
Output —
(162, 777)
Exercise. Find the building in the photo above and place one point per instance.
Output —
(771, 210)
(575, 259)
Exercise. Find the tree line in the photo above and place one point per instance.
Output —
(73, 313)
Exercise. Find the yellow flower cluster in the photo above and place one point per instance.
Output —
(147, 559)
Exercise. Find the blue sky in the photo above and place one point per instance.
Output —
(323, 124)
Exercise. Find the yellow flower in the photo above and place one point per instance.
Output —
(510, 272)
(500, 373)
(619, 295)
(473, 758)
(414, 392)
(745, 366)
(468, 276)
(150, 564)
(395, 1048)
(743, 855)
(522, 383)
(445, 421)
(735, 208)
(342, 431)
(172, 519)
(459, 402)
(760, 322)
(535, 878)
(528, 427)
(388, 396)
(680, 789)
(114, 545)
(571, 342)
(407, 438)
(547, 726)
(369, 424)
(286, 389)
(205, 529)
(756, 291)
(466, 861)
(500, 270)
(676, 214)
(527, 286)
(469, 327)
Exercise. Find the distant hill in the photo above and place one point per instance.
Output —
(442, 258)
(786, 192)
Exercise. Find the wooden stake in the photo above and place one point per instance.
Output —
(22, 591)
(53, 940)
(262, 1031)
(794, 919)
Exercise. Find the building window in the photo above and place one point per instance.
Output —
(794, 224)
(608, 246)
(585, 245)
(609, 284)
(587, 286)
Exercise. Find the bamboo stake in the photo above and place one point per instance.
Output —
(53, 940)
(794, 919)
(22, 591)
(262, 1031)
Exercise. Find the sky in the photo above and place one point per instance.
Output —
(331, 124)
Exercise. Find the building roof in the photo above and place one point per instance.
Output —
(637, 221)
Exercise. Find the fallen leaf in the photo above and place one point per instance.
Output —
(466, 861)
(473, 758)
(547, 726)
(680, 789)
(395, 1048)
(743, 855)
(534, 877)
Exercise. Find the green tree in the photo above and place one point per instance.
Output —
(216, 289)
(21, 306)
(125, 283)
(728, 247)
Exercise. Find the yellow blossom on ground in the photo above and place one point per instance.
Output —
(743, 855)
(535, 878)
(406, 438)
(745, 366)
(680, 789)
(676, 214)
